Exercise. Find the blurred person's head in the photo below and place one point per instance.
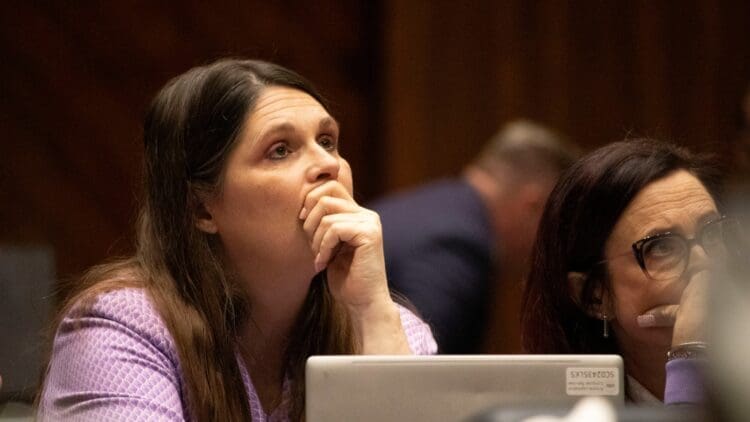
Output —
(740, 151)
(728, 331)
(514, 173)
(611, 245)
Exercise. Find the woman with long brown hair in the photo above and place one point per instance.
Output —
(252, 255)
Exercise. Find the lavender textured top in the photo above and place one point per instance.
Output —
(118, 361)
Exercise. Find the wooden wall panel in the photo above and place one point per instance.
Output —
(418, 86)
(597, 71)
(76, 78)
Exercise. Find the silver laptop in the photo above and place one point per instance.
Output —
(452, 387)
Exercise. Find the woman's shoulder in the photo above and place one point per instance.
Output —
(123, 309)
(113, 341)
(418, 333)
(123, 301)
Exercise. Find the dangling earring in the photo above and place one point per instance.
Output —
(605, 326)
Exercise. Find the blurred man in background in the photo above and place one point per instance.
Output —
(457, 248)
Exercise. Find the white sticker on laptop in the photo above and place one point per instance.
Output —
(592, 381)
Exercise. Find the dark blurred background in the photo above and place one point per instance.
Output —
(418, 86)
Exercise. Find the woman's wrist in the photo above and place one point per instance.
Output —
(379, 329)
(687, 350)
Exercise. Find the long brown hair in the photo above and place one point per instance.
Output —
(191, 127)
(579, 216)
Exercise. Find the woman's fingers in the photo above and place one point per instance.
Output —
(324, 207)
(332, 217)
(331, 240)
(660, 316)
(331, 188)
(687, 318)
(691, 318)
(347, 241)
(352, 229)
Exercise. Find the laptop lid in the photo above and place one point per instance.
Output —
(451, 387)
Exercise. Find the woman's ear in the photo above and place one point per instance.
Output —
(576, 281)
(600, 307)
(206, 225)
(204, 220)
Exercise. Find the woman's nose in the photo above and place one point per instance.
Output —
(324, 165)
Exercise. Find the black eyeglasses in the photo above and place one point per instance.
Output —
(665, 255)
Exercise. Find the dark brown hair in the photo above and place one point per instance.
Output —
(191, 127)
(579, 216)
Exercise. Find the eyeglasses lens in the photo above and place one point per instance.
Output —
(664, 257)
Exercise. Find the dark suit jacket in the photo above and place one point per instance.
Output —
(439, 254)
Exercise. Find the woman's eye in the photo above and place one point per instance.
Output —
(662, 247)
(279, 151)
(327, 142)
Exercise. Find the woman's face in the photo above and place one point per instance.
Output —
(677, 203)
(289, 145)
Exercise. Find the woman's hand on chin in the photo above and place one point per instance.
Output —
(687, 318)
(690, 319)
(347, 242)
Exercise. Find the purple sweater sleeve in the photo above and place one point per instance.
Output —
(418, 333)
(114, 361)
(685, 383)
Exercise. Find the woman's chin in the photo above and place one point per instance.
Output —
(660, 339)
(656, 338)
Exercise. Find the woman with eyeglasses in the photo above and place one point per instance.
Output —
(621, 263)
